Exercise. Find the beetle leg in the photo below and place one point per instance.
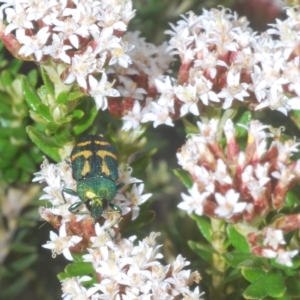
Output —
(117, 209)
(120, 185)
(68, 191)
(74, 207)
(68, 163)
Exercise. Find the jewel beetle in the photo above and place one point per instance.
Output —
(94, 165)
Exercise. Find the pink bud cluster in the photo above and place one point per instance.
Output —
(224, 64)
(269, 242)
(229, 65)
(235, 184)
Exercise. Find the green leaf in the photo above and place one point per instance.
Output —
(141, 163)
(256, 290)
(22, 248)
(243, 120)
(204, 226)
(292, 199)
(10, 151)
(244, 260)
(295, 116)
(24, 262)
(77, 114)
(79, 269)
(189, 127)
(237, 240)
(202, 250)
(15, 66)
(274, 282)
(31, 96)
(25, 162)
(75, 95)
(252, 274)
(86, 121)
(144, 218)
(32, 77)
(233, 274)
(51, 128)
(5, 109)
(6, 78)
(62, 98)
(63, 136)
(184, 177)
(11, 175)
(44, 112)
(48, 83)
(44, 143)
(14, 288)
(293, 287)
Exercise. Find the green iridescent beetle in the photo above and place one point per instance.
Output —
(94, 165)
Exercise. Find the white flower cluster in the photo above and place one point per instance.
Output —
(227, 63)
(127, 271)
(269, 243)
(224, 64)
(84, 35)
(137, 84)
(59, 176)
(237, 185)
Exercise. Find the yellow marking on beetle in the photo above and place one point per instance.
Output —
(102, 143)
(97, 201)
(90, 195)
(85, 153)
(86, 168)
(105, 168)
(103, 153)
(82, 144)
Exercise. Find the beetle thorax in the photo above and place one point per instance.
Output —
(98, 188)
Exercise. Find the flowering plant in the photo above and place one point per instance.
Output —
(233, 92)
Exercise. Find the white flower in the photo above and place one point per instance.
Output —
(130, 89)
(62, 243)
(195, 202)
(70, 30)
(157, 114)
(81, 66)
(135, 266)
(285, 257)
(188, 95)
(16, 18)
(102, 237)
(228, 205)
(136, 198)
(125, 175)
(72, 288)
(100, 90)
(273, 238)
(192, 295)
(33, 44)
(119, 55)
(233, 90)
(166, 91)
(57, 49)
(133, 117)
(204, 90)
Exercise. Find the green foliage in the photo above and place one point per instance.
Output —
(18, 157)
(184, 177)
(59, 118)
(77, 268)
